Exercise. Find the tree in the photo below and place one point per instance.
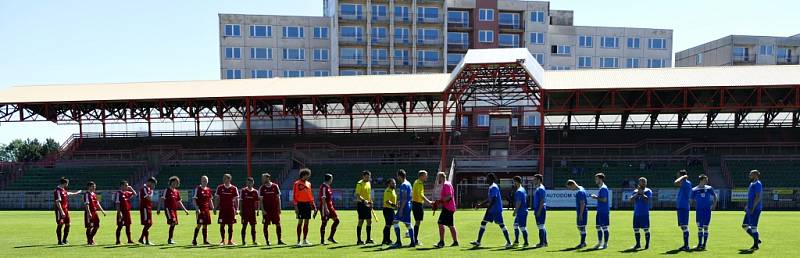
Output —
(28, 150)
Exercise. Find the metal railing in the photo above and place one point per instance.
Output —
(457, 46)
(511, 26)
(456, 24)
(351, 17)
(352, 61)
(346, 39)
(788, 60)
(422, 63)
(744, 59)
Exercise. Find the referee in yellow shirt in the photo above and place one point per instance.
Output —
(418, 199)
(389, 204)
(364, 206)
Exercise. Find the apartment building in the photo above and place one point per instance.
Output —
(355, 37)
(742, 50)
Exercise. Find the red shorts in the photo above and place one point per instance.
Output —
(271, 217)
(146, 216)
(172, 216)
(331, 213)
(62, 219)
(226, 216)
(91, 221)
(203, 217)
(248, 217)
(124, 218)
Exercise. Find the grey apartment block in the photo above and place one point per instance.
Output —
(431, 36)
(742, 50)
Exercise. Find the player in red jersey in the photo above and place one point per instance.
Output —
(249, 210)
(61, 196)
(328, 211)
(122, 199)
(146, 209)
(203, 206)
(91, 205)
(270, 195)
(172, 200)
(227, 198)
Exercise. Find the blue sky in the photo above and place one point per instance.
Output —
(71, 41)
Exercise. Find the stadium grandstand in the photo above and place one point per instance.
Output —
(499, 111)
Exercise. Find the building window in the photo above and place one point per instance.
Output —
(586, 41)
(233, 74)
(785, 55)
(401, 35)
(351, 56)
(352, 11)
(380, 56)
(378, 34)
(537, 38)
(401, 57)
(560, 67)
(537, 17)
(293, 32)
(321, 32)
(233, 53)
(609, 42)
(458, 38)
(379, 12)
(509, 20)
(454, 59)
(349, 72)
(657, 43)
(427, 35)
(482, 120)
(508, 40)
(765, 50)
(561, 50)
(321, 54)
(656, 63)
(486, 36)
(401, 13)
(233, 30)
(460, 18)
(539, 58)
(260, 31)
(321, 73)
(379, 72)
(699, 59)
(427, 58)
(609, 62)
(293, 73)
(260, 74)
(632, 63)
(585, 62)
(427, 14)
(352, 33)
(486, 15)
(294, 54)
(634, 43)
(258, 53)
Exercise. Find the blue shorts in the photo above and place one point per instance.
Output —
(752, 218)
(521, 219)
(494, 217)
(542, 217)
(405, 216)
(581, 222)
(683, 217)
(703, 218)
(601, 219)
(641, 221)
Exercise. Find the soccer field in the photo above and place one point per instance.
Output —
(32, 234)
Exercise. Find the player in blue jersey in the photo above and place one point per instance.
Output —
(753, 209)
(682, 204)
(641, 213)
(403, 209)
(581, 209)
(520, 211)
(540, 208)
(704, 201)
(494, 212)
(603, 211)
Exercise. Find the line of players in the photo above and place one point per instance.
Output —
(397, 208)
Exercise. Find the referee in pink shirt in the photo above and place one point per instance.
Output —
(448, 203)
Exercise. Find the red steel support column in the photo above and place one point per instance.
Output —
(248, 137)
(541, 133)
(443, 134)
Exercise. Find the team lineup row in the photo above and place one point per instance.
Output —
(401, 200)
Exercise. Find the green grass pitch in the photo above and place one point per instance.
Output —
(31, 234)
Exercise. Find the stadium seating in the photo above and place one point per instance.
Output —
(620, 173)
(106, 177)
(346, 175)
(190, 174)
(774, 173)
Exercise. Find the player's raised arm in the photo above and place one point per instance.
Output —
(130, 189)
(74, 193)
(680, 180)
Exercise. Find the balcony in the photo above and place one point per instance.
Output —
(380, 62)
(429, 19)
(744, 59)
(429, 42)
(380, 19)
(788, 60)
(458, 25)
(351, 17)
(511, 27)
(352, 40)
(352, 61)
(402, 62)
(402, 19)
(457, 46)
(508, 45)
(429, 63)
(379, 41)
(402, 41)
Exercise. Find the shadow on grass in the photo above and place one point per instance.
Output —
(746, 251)
(341, 246)
(34, 246)
(632, 250)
